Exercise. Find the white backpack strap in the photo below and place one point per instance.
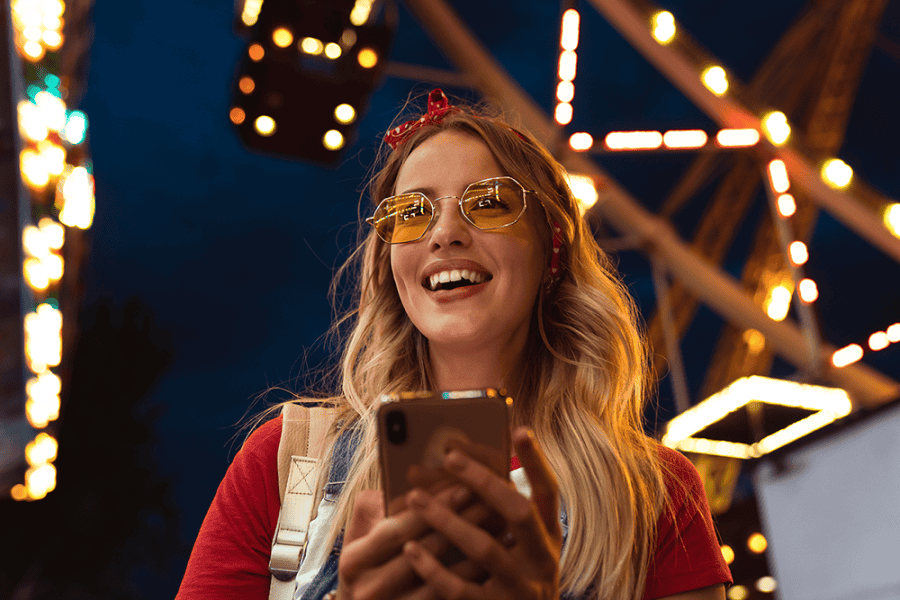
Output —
(303, 430)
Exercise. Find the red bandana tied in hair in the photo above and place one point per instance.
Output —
(438, 108)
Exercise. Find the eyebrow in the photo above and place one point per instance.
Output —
(427, 191)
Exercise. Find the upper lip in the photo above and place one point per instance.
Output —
(450, 265)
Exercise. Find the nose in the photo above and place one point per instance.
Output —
(449, 227)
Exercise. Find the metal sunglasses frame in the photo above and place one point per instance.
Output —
(433, 204)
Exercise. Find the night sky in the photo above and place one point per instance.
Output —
(232, 252)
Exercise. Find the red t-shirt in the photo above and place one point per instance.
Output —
(230, 559)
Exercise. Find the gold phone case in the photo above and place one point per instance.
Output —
(475, 421)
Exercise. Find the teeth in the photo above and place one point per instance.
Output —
(455, 275)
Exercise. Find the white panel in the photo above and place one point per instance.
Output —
(833, 516)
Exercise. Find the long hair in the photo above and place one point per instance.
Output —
(584, 390)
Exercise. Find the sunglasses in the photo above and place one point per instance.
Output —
(487, 204)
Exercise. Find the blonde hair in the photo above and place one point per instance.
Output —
(583, 396)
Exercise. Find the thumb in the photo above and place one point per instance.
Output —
(367, 510)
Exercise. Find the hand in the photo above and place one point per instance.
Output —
(521, 564)
(371, 565)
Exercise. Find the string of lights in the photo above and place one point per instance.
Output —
(58, 178)
(774, 125)
(568, 65)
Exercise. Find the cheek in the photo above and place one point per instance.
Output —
(401, 267)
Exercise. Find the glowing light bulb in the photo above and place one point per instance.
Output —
(633, 140)
(246, 84)
(584, 190)
(367, 58)
(333, 139)
(52, 39)
(581, 141)
(568, 62)
(40, 481)
(891, 217)
(34, 169)
(737, 138)
(776, 127)
(847, 355)
(54, 233)
(565, 91)
(569, 35)
(31, 122)
(836, 173)
(893, 333)
(311, 45)
(787, 206)
(42, 449)
(799, 253)
(282, 37)
(690, 138)
(738, 592)
(344, 113)
(716, 80)
(757, 543)
(663, 27)
(779, 303)
(264, 125)
(778, 176)
(75, 193)
(879, 341)
(76, 127)
(808, 290)
(256, 52)
(237, 115)
(563, 113)
(359, 14)
(766, 584)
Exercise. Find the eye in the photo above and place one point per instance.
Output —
(413, 211)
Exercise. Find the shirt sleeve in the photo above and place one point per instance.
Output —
(230, 559)
(687, 555)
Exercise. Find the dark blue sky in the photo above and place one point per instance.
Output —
(233, 251)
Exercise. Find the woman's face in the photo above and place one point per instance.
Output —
(510, 260)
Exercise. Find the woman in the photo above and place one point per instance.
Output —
(480, 272)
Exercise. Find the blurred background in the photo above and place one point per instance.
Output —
(180, 181)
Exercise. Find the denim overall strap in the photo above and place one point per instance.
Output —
(344, 448)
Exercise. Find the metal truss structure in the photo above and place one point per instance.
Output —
(845, 29)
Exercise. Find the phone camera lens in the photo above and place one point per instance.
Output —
(396, 426)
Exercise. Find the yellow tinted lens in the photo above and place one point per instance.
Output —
(403, 218)
(493, 203)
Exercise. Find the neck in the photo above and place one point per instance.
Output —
(488, 366)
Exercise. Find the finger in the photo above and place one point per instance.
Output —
(439, 581)
(377, 558)
(539, 539)
(482, 548)
(544, 488)
(367, 511)
(372, 539)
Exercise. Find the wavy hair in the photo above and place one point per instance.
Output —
(583, 394)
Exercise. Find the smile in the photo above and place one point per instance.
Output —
(451, 279)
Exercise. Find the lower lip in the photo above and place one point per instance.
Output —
(459, 293)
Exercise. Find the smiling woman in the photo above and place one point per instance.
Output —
(478, 271)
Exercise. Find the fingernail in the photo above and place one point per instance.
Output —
(411, 548)
(418, 498)
(456, 461)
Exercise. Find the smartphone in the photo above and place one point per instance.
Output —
(416, 430)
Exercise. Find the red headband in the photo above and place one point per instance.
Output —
(438, 108)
